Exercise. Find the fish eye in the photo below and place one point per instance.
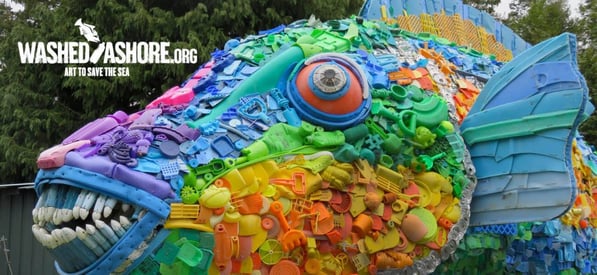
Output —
(330, 90)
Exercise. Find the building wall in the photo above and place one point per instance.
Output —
(25, 254)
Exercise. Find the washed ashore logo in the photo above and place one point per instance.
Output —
(69, 52)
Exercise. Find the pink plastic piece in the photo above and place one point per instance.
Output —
(174, 96)
(54, 157)
(146, 119)
(203, 71)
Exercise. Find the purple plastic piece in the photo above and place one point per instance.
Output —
(169, 149)
(120, 172)
(188, 132)
(97, 127)
(170, 133)
(146, 120)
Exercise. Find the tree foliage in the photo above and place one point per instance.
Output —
(488, 6)
(588, 61)
(40, 107)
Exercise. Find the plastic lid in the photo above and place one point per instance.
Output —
(169, 148)
(285, 267)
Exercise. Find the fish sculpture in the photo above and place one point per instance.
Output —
(354, 146)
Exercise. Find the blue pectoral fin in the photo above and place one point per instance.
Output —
(520, 132)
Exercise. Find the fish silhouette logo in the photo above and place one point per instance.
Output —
(88, 31)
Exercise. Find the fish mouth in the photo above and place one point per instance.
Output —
(89, 231)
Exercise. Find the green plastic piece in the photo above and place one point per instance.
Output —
(515, 128)
(346, 153)
(431, 111)
(148, 266)
(352, 32)
(375, 129)
(367, 155)
(177, 268)
(428, 161)
(167, 253)
(352, 134)
(386, 161)
(392, 144)
(330, 42)
(189, 194)
(206, 240)
(407, 128)
(325, 139)
(190, 255)
(266, 78)
(423, 138)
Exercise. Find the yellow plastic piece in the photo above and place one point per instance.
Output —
(321, 195)
(428, 24)
(389, 180)
(358, 204)
(252, 181)
(482, 33)
(231, 215)
(246, 266)
(236, 180)
(184, 211)
(330, 264)
(189, 224)
(215, 197)
(258, 239)
(384, 12)
(270, 191)
(249, 225)
(436, 183)
(452, 213)
(386, 241)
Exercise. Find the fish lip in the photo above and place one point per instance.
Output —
(157, 211)
(96, 182)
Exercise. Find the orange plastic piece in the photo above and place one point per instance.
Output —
(445, 223)
(362, 225)
(292, 239)
(285, 267)
(277, 209)
(219, 211)
(250, 204)
(222, 182)
(256, 260)
(297, 183)
(323, 222)
(223, 247)
(204, 215)
(267, 223)
(345, 104)
(334, 236)
(403, 77)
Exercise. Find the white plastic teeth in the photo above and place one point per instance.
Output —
(79, 226)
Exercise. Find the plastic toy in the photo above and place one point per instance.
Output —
(326, 148)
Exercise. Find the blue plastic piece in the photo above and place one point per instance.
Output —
(519, 133)
(223, 146)
(273, 30)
